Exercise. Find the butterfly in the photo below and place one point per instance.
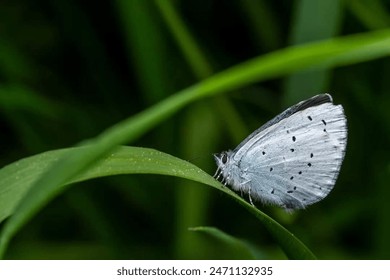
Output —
(293, 160)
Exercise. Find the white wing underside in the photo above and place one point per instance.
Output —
(295, 162)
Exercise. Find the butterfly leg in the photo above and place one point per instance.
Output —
(242, 187)
(217, 173)
(250, 198)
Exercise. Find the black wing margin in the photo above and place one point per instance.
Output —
(311, 102)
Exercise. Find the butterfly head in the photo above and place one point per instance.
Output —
(223, 161)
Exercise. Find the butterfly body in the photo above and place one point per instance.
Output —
(293, 160)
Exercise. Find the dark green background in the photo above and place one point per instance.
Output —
(70, 69)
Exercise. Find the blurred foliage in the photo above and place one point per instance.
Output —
(69, 70)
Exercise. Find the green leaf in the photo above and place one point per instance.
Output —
(19, 178)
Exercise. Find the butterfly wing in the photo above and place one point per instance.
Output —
(294, 160)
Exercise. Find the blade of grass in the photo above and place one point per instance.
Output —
(259, 15)
(19, 178)
(236, 248)
(373, 14)
(15, 102)
(146, 44)
(336, 52)
(314, 20)
(185, 41)
(199, 65)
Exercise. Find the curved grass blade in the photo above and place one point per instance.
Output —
(18, 179)
(237, 248)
